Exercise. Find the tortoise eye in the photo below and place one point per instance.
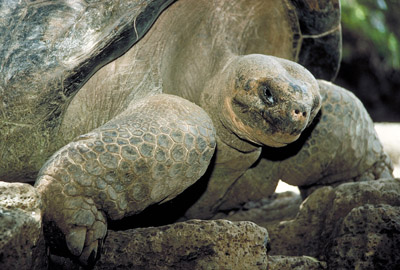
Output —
(266, 94)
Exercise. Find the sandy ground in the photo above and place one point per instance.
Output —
(389, 134)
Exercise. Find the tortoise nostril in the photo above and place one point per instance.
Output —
(298, 113)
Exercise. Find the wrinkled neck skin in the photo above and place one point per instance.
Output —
(215, 99)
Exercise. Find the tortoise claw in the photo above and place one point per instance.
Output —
(84, 235)
(90, 253)
(76, 240)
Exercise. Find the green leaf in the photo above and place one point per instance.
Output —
(368, 17)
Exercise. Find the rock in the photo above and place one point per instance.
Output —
(301, 235)
(368, 238)
(352, 226)
(21, 238)
(324, 210)
(194, 244)
(294, 263)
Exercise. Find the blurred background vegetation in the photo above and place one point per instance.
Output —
(371, 55)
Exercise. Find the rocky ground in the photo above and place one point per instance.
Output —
(352, 226)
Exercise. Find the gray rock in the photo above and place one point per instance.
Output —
(323, 211)
(351, 226)
(368, 238)
(195, 244)
(21, 238)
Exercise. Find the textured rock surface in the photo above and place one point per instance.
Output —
(353, 224)
(368, 238)
(21, 239)
(323, 211)
(194, 244)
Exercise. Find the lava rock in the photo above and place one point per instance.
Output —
(21, 239)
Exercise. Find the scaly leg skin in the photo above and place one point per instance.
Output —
(149, 154)
(342, 147)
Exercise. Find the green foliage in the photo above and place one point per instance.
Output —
(370, 18)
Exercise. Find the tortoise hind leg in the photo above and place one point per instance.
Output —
(149, 154)
(342, 145)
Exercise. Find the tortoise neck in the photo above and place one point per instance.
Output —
(215, 100)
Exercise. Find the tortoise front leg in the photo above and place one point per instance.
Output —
(149, 154)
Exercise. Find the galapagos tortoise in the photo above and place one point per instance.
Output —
(124, 127)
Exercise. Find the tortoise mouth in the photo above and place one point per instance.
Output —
(265, 133)
(275, 132)
(288, 139)
(277, 139)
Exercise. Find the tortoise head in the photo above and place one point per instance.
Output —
(269, 100)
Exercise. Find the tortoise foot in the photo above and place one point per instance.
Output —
(78, 218)
(86, 242)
